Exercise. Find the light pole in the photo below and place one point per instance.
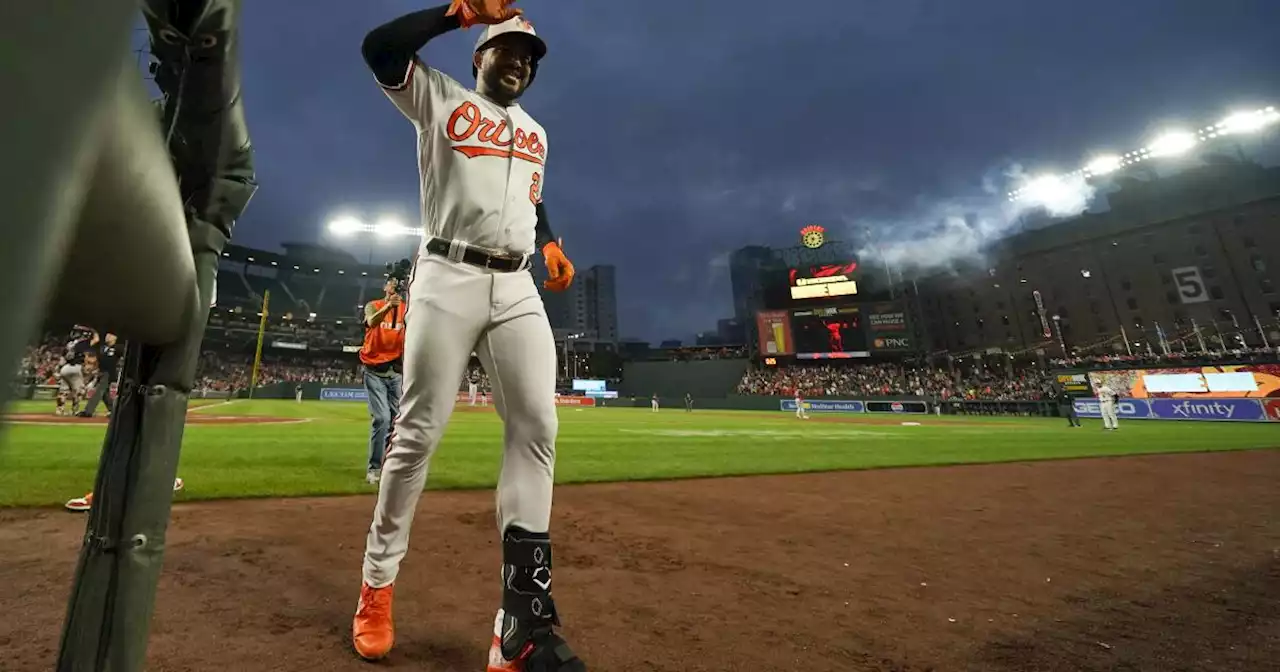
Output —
(1062, 343)
(570, 374)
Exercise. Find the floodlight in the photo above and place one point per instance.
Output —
(1172, 144)
(388, 227)
(1104, 164)
(343, 226)
(1248, 122)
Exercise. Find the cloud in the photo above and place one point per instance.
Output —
(948, 232)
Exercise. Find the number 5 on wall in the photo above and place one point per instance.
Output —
(1190, 285)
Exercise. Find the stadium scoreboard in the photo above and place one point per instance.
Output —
(822, 281)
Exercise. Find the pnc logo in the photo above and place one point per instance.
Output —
(468, 124)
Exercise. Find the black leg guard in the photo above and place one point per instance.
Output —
(529, 613)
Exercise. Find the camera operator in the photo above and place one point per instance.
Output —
(108, 359)
(382, 356)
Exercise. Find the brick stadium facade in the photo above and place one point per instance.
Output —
(1201, 246)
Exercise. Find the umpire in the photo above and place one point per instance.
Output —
(1067, 408)
(382, 356)
(108, 362)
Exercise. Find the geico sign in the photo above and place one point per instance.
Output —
(1124, 408)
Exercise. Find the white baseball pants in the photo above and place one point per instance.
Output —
(455, 309)
(1109, 418)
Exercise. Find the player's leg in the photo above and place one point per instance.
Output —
(100, 392)
(441, 329)
(77, 390)
(519, 353)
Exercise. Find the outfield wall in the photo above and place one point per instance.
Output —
(1203, 410)
(702, 378)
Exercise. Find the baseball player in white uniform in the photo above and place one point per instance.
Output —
(800, 413)
(653, 403)
(1107, 400)
(482, 162)
(473, 390)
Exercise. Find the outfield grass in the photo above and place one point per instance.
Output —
(45, 465)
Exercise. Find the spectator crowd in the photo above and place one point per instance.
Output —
(895, 379)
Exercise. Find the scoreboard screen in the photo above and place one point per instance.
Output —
(822, 281)
(829, 333)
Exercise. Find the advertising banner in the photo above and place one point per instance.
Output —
(1225, 410)
(1133, 409)
(1194, 382)
(774, 329)
(825, 406)
(343, 394)
(1271, 408)
(575, 401)
(897, 407)
(1074, 382)
(886, 325)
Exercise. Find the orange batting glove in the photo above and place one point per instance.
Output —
(471, 12)
(559, 268)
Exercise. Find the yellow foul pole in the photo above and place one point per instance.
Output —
(262, 330)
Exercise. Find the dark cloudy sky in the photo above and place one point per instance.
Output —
(682, 130)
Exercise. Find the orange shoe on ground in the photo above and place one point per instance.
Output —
(372, 631)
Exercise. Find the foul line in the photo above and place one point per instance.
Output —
(205, 408)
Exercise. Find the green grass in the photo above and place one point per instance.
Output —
(45, 465)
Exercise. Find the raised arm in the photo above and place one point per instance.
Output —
(390, 49)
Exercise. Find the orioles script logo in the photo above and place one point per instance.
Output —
(469, 123)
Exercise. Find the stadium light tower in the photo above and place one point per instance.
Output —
(1173, 143)
(1167, 145)
(345, 226)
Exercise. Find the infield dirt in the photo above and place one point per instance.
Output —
(1145, 563)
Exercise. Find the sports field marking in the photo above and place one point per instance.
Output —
(198, 409)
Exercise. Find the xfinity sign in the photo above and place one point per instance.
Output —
(1238, 410)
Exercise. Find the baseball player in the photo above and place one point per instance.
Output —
(481, 161)
(1107, 400)
(800, 412)
(71, 374)
(1067, 408)
(297, 393)
(688, 402)
(473, 390)
(653, 403)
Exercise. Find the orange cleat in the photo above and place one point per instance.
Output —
(372, 631)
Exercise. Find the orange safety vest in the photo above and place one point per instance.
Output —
(383, 342)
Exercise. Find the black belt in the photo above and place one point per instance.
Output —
(476, 256)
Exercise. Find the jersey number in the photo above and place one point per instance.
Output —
(535, 189)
